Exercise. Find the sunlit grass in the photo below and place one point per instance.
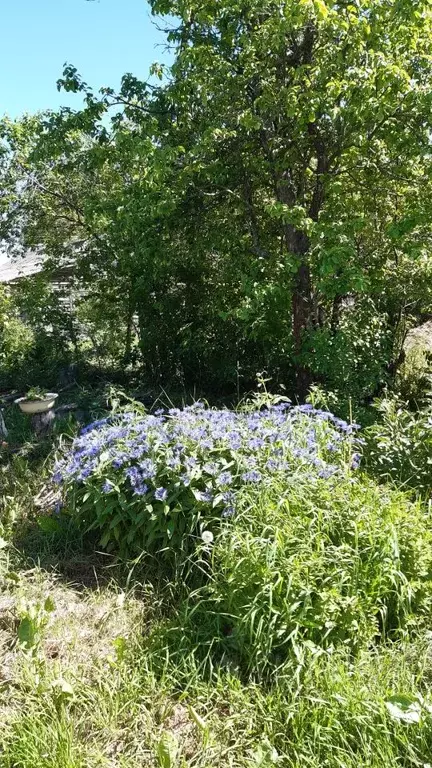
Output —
(313, 615)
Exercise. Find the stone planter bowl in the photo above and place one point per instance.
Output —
(37, 406)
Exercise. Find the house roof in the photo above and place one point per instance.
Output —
(23, 266)
(32, 263)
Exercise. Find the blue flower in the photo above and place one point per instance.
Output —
(252, 477)
(256, 442)
(148, 469)
(356, 460)
(57, 476)
(141, 489)
(161, 494)
(225, 478)
(204, 496)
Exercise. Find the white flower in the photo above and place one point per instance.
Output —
(207, 537)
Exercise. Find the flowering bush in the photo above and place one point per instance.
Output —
(152, 482)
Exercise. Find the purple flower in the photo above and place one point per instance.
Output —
(107, 487)
(225, 478)
(204, 496)
(252, 477)
(306, 408)
(256, 442)
(148, 469)
(161, 494)
(272, 464)
(58, 477)
(234, 440)
(327, 471)
(141, 489)
(356, 461)
(133, 475)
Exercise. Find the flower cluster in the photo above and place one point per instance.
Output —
(196, 458)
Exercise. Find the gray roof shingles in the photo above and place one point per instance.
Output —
(25, 266)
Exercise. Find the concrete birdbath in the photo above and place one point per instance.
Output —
(40, 406)
(37, 405)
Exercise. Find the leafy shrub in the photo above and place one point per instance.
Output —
(308, 565)
(16, 338)
(414, 376)
(164, 481)
(354, 358)
(400, 445)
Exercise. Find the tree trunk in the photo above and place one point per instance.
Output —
(298, 245)
(129, 328)
(335, 315)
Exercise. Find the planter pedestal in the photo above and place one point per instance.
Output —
(42, 412)
(3, 430)
(42, 423)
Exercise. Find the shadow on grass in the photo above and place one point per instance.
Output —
(58, 547)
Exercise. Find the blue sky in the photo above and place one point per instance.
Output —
(103, 39)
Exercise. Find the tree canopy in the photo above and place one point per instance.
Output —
(262, 204)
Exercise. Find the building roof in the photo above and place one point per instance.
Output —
(23, 266)
(32, 263)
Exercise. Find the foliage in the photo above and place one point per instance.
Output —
(400, 445)
(262, 207)
(307, 566)
(163, 482)
(35, 393)
(413, 382)
(16, 338)
(33, 620)
(308, 645)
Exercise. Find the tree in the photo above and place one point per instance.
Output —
(263, 205)
(304, 113)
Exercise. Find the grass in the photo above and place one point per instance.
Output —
(309, 647)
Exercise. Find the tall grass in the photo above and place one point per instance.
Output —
(304, 570)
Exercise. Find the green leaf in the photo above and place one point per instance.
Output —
(49, 605)
(406, 709)
(27, 632)
(62, 688)
(198, 720)
(49, 524)
(321, 9)
(167, 750)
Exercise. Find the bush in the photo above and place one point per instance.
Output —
(16, 338)
(400, 445)
(308, 565)
(414, 377)
(163, 482)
